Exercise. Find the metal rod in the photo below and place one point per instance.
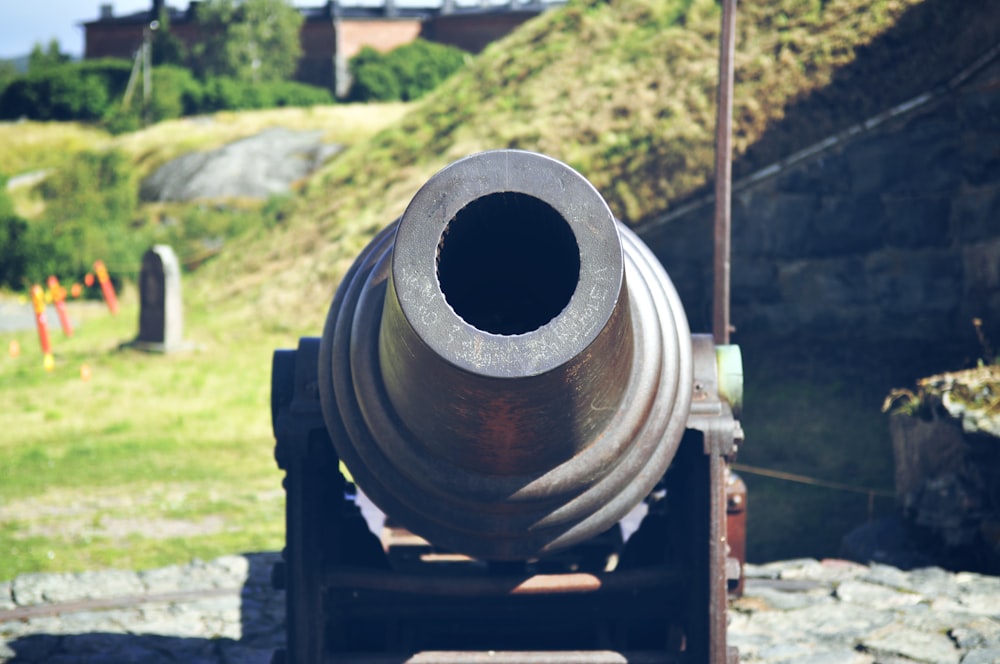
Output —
(108, 603)
(723, 176)
(511, 657)
(464, 586)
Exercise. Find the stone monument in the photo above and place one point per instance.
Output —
(161, 312)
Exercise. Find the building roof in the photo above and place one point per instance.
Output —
(405, 9)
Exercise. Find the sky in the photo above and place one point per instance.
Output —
(23, 23)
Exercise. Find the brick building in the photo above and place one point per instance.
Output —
(331, 34)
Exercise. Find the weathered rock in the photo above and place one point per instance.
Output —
(946, 445)
(255, 167)
(915, 645)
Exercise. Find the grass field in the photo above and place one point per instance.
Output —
(153, 460)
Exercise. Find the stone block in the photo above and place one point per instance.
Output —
(754, 280)
(827, 174)
(846, 225)
(875, 163)
(924, 155)
(915, 645)
(772, 224)
(981, 263)
(975, 213)
(875, 595)
(917, 220)
(981, 158)
(982, 656)
(915, 282)
(822, 285)
(977, 108)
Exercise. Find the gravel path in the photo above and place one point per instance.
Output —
(225, 612)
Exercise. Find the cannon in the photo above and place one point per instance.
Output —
(507, 446)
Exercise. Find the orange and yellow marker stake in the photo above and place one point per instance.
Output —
(59, 300)
(107, 288)
(38, 302)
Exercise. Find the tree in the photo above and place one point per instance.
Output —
(167, 49)
(8, 72)
(41, 59)
(249, 40)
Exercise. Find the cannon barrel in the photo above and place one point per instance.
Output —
(507, 370)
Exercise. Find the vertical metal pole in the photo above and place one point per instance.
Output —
(147, 70)
(723, 175)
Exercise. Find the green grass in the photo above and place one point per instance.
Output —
(154, 460)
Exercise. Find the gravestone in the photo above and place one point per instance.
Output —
(161, 313)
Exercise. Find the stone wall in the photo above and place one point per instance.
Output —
(890, 231)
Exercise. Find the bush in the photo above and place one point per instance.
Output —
(176, 92)
(95, 89)
(89, 205)
(290, 93)
(406, 72)
(12, 232)
(56, 94)
(372, 77)
(74, 91)
(226, 94)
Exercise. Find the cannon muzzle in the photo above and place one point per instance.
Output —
(506, 370)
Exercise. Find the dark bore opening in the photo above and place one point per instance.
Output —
(508, 263)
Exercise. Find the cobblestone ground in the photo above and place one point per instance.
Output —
(840, 612)
(219, 612)
(224, 612)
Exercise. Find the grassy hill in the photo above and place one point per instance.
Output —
(624, 91)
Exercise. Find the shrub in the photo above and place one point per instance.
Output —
(55, 94)
(290, 93)
(89, 205)
(230, 94)
(73, 91)
(406, 72)
(176, 92)
(372, 77)
(12, 232)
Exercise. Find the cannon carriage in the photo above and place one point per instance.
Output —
(507, 375)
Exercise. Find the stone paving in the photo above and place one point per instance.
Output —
(225, 612)
(219, 612)
(840, 612)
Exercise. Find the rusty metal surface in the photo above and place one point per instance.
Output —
(506, 446)
(513, 657)
(717, 582)
(736, 528)
(488, 586)
(723, 176)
